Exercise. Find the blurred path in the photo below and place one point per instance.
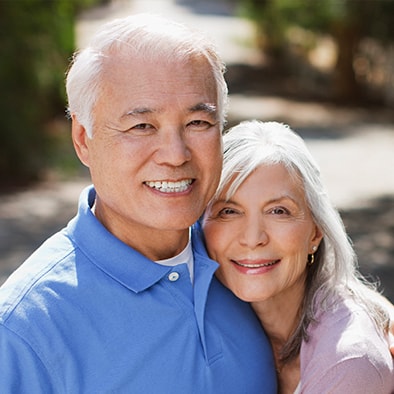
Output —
(231, 34)
(354, 150)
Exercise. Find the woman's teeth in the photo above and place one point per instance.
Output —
(257, 265)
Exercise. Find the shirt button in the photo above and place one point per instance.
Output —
(173, 276)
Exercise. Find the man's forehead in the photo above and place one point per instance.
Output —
(144, 73)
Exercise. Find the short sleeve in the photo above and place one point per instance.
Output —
(355, 376)
(21, 370)
(346, 354)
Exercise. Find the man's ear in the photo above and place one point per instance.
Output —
(80, 140)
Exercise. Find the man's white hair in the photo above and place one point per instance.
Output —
(141, 36)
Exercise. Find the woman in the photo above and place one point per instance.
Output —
(282, 246)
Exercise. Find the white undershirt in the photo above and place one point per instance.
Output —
(186, 256)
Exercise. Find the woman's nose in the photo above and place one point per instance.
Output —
(254, 234)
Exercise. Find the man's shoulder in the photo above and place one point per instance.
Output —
(24, 290)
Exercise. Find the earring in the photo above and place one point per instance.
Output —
(311, 257)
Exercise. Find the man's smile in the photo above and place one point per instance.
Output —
(170, 186)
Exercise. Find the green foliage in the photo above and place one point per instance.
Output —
(373, 18)
(275, 17)
(347, 21)
(36, 42)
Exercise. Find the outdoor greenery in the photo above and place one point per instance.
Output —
(36, 42)
(358, 28)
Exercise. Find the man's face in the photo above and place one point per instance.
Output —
(155, 156)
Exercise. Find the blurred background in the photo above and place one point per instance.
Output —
(325, 67)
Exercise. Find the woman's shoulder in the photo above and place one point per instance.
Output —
(345, 345)
(346, 326)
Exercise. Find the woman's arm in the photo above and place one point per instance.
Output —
(355, 375)
(389, 307)
(347, 352)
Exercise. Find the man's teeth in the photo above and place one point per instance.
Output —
(170, 187)
(257, 265)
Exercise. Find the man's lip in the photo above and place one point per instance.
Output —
(254, 264)
(170, 186)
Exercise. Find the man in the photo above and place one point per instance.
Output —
(124, 299)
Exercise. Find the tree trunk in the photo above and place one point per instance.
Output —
(346, 87)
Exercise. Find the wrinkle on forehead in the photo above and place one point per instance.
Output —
(142, 88)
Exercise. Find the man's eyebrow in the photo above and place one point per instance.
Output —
(204, 107)
(208, 108)
(138, 111)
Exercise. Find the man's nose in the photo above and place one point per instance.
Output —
(173, 149)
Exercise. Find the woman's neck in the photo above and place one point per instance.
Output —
(279, 320)
(280, 316)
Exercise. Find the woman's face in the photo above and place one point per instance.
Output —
(262, 236)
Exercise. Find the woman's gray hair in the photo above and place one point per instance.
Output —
(334, 273)
(144, 36)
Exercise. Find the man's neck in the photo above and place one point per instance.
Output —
(155, 244)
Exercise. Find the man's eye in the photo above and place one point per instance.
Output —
(142, 126)
(202, 124)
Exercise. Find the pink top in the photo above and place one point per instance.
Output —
(346, 354)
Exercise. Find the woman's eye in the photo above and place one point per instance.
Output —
(226, 212)
(279, 211)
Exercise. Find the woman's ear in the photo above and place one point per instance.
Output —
(316, 238)
(80, 140)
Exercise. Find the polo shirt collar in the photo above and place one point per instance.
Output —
(121, 262)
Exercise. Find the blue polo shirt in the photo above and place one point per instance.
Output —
(88, 314)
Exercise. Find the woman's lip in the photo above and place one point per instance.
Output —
(255, 263)
(254, 267)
